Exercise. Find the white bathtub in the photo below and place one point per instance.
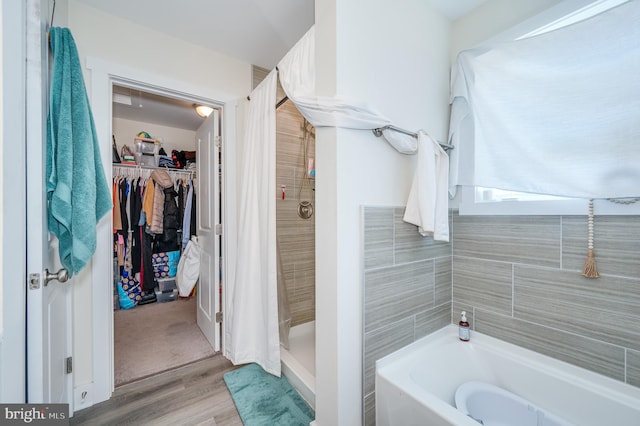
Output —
(492, 405)
(299, 361)
(416, 385)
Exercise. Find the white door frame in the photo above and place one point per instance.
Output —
(13, 265)
(103, 75)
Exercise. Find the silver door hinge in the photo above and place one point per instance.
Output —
(219, 229)
(34, 281)
(218, 141)
(69, 362)
(218, 316)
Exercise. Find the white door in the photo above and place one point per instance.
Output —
(49, 309)
(207, 219)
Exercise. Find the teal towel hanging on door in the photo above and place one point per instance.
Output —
(77, 190)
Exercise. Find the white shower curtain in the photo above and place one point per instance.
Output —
(251, 329)
(251, 323)
(297, 72)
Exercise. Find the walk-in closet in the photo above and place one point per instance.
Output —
(163, 211)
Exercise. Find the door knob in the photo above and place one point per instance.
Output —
(62, 275)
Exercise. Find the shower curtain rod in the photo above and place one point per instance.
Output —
(378, 133)
(280, 102)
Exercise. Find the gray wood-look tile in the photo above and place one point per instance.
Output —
(370, 409)
(607, 309)
(483, 283)
(378, 237)
(533, 240)
(578, 350)
(633, 367)
(397, 292)
(431, 320)
(443, 277)
(380, 343)
(617, 244)
(410, 246)
(191, 395)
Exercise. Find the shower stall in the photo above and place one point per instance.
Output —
(295, 230)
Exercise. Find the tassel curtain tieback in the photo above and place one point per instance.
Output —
(590, 270)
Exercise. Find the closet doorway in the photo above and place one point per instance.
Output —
(174, 150)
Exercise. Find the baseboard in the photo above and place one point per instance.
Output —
(82, 397)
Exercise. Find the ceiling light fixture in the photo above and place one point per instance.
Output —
(203, 110)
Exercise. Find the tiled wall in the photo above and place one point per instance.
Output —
(296, 235)
(406, 290)
(519, 277)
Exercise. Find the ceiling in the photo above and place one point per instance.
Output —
(256, 31)
(259, 32)
(136, 105)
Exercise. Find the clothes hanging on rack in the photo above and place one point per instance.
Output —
(136, 207)
(135, 192)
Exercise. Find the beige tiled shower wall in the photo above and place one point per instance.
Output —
(518, 277)
(406, 290)
(296, 236)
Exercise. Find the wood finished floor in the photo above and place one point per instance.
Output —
(194, 394)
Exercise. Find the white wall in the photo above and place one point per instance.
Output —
(102, 36)
(110, 38)
(172, 138)
(393, 55)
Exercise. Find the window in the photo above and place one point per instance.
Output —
(490, 201)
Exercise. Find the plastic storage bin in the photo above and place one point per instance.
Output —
(147, 151)
(150, 160)
(147, 146)
(166, 296)
(166, 284)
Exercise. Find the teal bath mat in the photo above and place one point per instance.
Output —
(264, 399)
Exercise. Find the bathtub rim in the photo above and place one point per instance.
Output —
(394, 368)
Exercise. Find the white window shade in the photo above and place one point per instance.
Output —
(557, 113)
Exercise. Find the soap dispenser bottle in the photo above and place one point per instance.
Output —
(463, 327)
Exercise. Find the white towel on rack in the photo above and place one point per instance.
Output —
(428, 203)
(404, 144)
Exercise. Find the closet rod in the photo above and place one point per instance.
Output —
(124, 169)
(378, 133)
